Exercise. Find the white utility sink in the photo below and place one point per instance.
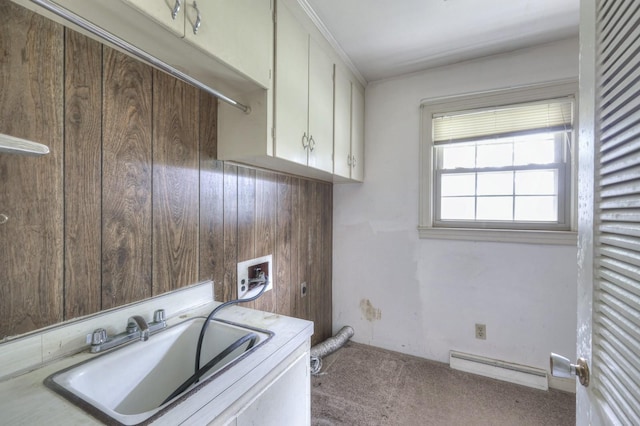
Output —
(129, 384)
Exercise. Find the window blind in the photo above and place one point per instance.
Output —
(510, 120)
(616, 299)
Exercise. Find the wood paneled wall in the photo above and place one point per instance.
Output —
(32, 240)
(132, 201)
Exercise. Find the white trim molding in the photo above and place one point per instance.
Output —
(567, 238)
(332, 40)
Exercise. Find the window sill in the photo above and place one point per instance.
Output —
(568, 238)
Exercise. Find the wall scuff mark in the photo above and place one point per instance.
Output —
(370, 312)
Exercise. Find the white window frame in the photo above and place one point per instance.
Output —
(429, 228)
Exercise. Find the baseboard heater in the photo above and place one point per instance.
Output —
(500, 370)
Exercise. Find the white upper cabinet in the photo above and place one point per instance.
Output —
(303, 96)
(224, 44)
(320, 108)
(292, 88)
(227, 47)
(348, 128)
(357, 133)
(239, 32)
(169, 13)
(342, 125)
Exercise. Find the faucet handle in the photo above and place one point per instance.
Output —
(159, 315)
(98, 337)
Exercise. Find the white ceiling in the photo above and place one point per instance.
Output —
(386, 38)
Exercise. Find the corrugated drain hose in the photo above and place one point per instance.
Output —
(327, 347)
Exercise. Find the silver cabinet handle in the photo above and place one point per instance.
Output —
(312, 143)
(196, 26)
(353, 161)
(349, 160)
(176, 9)
(305, 141)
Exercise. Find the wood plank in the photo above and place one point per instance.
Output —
(126, 165)
(82, 175)
(211, 265)
(246, 217)
(326, 207)
(301, 201)
(295, 251)
(230, 290)
(246, 214)
(283, 273)
(176, 178)
(316, 252)
(266, 205)
(31, 106)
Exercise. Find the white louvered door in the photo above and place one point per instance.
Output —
(609, 212)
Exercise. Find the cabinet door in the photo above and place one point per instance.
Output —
(239, 32)
(291, 88)
(283, 402)
(342, 124)
(357, 134)
(320, 108)
(162, 13)
(108, 14)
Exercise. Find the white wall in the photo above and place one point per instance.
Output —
(423, 297)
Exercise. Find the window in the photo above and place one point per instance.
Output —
(498, 166)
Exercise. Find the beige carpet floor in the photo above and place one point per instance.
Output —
(363, 385)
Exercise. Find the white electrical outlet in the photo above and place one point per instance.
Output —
(249, 269)
(481, 331)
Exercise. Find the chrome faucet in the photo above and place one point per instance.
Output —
(137, 323)
(137, 329)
